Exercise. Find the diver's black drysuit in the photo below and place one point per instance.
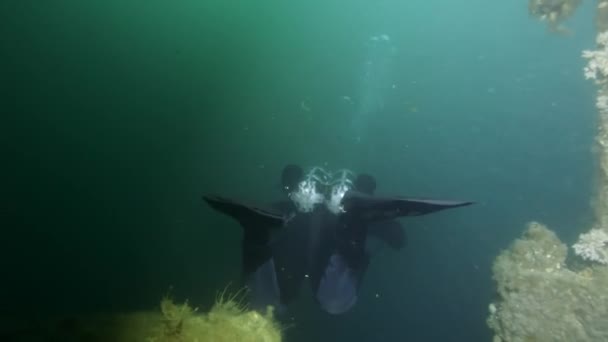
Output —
(282, 246)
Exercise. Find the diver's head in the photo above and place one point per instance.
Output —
(290, 177)
(365, 183)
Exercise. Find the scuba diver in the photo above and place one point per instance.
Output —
(318, 231)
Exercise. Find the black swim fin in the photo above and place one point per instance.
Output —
(255, 220)
(257, 224)
(373, 208)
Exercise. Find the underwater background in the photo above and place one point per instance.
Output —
(118, 115)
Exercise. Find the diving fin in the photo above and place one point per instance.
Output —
(257, 263)
(254, 220)
(373, 208)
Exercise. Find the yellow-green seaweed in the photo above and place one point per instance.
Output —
(228, 320)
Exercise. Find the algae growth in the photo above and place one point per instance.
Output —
(226, 321)
(540, 298)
